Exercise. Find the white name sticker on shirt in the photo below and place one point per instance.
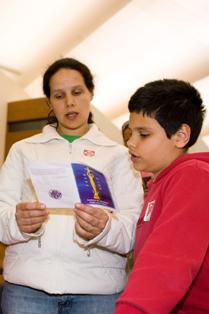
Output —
(149, 210)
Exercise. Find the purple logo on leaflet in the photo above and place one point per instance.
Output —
(55, 194)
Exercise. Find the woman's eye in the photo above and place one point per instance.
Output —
(58, 96)
(77, 92)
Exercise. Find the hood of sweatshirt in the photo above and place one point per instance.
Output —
(186, 158)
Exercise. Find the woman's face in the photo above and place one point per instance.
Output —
(70, 101)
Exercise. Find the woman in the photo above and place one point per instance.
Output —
(66, 263)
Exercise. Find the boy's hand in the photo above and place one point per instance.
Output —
(30, 216)
(90, 221)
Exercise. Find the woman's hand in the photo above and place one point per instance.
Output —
(90, 221)
(30, 216)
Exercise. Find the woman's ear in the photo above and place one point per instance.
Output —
(182, 136)
(48, 103)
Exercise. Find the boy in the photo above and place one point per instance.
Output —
(171, 268)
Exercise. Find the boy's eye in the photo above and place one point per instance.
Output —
(144, 134)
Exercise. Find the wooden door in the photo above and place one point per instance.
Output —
(24, 118)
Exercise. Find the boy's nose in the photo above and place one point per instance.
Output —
(131, 143)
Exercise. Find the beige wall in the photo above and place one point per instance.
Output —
(9, 91)
(199, 146)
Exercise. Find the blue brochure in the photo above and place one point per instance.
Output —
(92, 186)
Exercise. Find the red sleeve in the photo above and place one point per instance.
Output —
(174, 252)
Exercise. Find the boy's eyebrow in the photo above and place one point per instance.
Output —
(142, 128)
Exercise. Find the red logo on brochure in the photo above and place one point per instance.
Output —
(89, 153)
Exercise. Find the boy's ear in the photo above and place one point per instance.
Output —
(182, 136)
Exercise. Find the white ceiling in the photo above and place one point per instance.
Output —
(125, 43)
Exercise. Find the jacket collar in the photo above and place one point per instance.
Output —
(94, 135)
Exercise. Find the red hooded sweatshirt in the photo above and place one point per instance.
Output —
(171, 268)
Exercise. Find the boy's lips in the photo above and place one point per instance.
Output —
(134, 158)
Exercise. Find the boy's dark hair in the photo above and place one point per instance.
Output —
(72, 64)
(172, 103)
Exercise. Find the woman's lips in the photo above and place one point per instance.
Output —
(71, 115)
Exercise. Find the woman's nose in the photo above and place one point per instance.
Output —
(70, 100)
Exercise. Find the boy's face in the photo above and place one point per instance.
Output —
(150, 149)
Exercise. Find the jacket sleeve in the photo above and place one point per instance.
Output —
(11, 184)
(127, 190)
(172, 255)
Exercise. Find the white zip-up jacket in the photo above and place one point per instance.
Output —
(55, 259)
